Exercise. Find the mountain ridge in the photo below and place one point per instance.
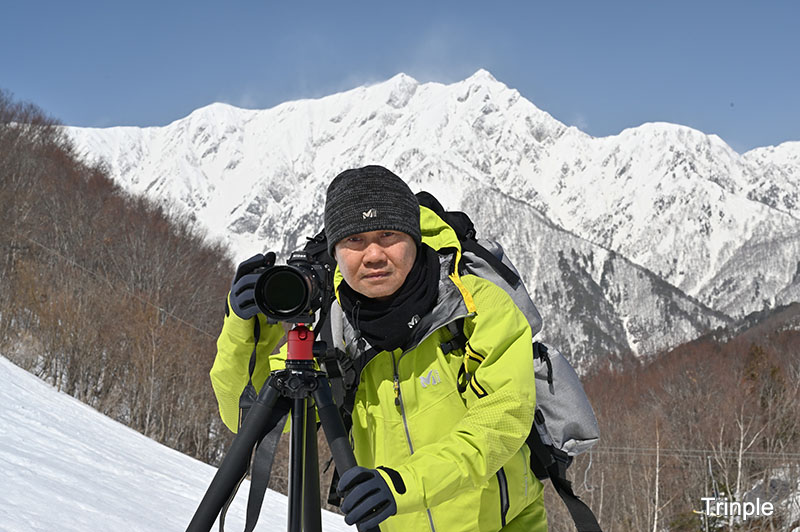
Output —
(680, 204)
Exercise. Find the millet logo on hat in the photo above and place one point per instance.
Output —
(372, 213)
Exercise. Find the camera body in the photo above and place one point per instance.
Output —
(295, 291)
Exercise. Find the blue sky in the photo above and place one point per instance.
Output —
(723, 67)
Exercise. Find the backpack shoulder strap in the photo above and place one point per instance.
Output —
(458, 338)
(547, 462)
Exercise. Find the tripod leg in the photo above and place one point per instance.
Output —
(297, 450)
(312, 518)
(261, 469)
(333, 427)
(234, 465)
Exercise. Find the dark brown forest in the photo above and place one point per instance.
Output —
(105, 295)
(718, 415)
(117, 301)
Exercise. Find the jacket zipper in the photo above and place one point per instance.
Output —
(398, 400)
(502, 482)
(398, 397)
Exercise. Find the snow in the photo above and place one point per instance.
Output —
(680, 204)
(783, 490)
(256, 178)
(66, 467)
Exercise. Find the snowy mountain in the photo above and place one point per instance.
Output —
(775, 177)
(67, 467)
(632, 242)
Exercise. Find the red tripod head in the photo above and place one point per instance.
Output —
(301, 344)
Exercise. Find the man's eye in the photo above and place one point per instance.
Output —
(387, 234)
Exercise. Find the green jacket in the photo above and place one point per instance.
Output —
(461, 456)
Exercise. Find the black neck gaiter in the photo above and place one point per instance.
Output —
(388, 324)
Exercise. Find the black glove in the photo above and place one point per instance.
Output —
(243, 301)
(368, 500)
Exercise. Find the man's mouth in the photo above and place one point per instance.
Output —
(377, 275)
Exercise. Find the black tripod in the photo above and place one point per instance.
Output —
(289, 389)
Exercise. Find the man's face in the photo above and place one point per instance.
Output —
(376, 263)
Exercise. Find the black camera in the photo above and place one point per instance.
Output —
(295, 291)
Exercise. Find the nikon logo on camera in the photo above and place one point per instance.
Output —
(372, 213)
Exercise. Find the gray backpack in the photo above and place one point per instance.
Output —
(564, 422)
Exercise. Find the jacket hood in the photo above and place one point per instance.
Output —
(436, 233)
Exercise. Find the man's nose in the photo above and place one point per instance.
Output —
(374, 253)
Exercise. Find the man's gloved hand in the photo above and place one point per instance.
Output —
(243, 301)
(367, 498)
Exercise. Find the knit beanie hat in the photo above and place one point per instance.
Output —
(369, 199)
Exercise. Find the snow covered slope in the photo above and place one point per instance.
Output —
(65, 467)
(593, 301)
(722, 229)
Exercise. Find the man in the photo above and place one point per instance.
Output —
(439, 437)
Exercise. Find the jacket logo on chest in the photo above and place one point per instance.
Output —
(431, 379)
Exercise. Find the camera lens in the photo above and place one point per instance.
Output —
(296, 291)
(284, 292)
